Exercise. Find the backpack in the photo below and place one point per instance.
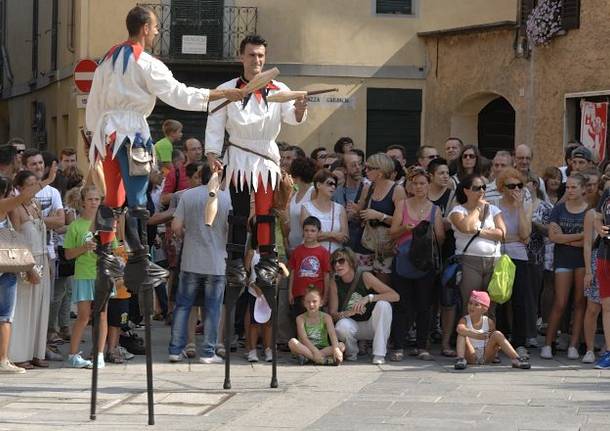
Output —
(424, 253)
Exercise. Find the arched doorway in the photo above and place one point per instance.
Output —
(487, 120)
(496, 127)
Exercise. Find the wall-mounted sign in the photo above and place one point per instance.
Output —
(81, 101)
(83, 74)
(192, 44)
(333, 101)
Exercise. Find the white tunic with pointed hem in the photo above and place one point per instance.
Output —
(123, 96)
(255, 128)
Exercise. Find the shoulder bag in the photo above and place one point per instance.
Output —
(15, 254)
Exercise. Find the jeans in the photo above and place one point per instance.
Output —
(214, 287)
(523, 304)
(59, 315)
(135, 186)
(8, 296)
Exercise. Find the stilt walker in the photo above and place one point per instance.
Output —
(252, 162)
(125, 87)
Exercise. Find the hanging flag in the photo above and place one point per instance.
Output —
(593, 127)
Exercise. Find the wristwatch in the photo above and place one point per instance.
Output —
(371, 297)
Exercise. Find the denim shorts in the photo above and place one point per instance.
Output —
(8, 297)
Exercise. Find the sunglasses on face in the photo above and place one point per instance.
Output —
(20, 151)
(469, 156)
(482, 187)
(331, 183)
(432, 157)
(339, 261)
(513, 186)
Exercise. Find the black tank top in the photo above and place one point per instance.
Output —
(385, 205)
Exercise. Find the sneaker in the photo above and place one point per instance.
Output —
(177, 358)
(302, 360)
(460, 364)
(546, 352)
(252, 356)
(212, 360)
(603, 363)
(268, 355)
(573, 353)
(521, 363)
(220, 350)
(190, 350)
(7, 367)
(77, 361)
(532, 342)
(53, 354)
(100, 360)
(125, 354)
(589, 357)
(522, 352)
(378, 360)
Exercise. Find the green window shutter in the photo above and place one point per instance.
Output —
(525, 9)
(394, 7)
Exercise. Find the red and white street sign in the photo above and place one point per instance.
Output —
(83, 74)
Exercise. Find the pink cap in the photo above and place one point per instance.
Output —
(480, 297)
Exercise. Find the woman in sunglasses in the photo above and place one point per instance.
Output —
(359, 303)
(478, 228)
(566, 231)
(468, 163)
(332, 215)
(518, 220)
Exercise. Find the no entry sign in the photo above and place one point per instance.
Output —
(83, 74)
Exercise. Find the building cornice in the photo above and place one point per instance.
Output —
(479, 28)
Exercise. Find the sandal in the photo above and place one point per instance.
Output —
(521, 363)
(40, 363)
(25, 365)
(397, 355)
(449, 353)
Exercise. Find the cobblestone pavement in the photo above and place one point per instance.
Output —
(553, 395)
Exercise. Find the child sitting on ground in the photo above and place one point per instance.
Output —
(478, 341)
(316, 331)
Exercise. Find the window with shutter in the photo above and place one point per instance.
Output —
(394, 7)
(570, 14)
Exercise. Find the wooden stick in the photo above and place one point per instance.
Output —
(259, 81)
(286, 96)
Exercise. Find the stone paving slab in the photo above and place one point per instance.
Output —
(412, 395)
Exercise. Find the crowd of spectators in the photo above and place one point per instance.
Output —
(365, 240)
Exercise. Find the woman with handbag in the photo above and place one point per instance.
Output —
(332, 216)
(9, 269)
(518, 220)
(566, 231)
(377, 204)
(29, 340)
(415, 286)
(359, 303)
(478, 227)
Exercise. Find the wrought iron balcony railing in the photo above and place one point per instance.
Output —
(201, 29)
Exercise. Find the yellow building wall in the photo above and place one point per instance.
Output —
(471, 67)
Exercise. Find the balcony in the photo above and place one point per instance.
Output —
(196, 31)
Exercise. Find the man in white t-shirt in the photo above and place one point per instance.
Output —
(48, 198)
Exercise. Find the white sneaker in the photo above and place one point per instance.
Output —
(522, 352)
(562, 343)
(268, 355)
(125, 353)
(589, 358)
(532, 342)
(212, 360)
(7, 367)
(546, 352)
(177, 358)
(573, 353)
(252, 356)
(378, 360)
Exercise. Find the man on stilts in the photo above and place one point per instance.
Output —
(125, 87)
(252, 161)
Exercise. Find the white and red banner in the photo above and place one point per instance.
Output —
(593, 127)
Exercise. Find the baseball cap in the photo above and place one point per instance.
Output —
(582, 153)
